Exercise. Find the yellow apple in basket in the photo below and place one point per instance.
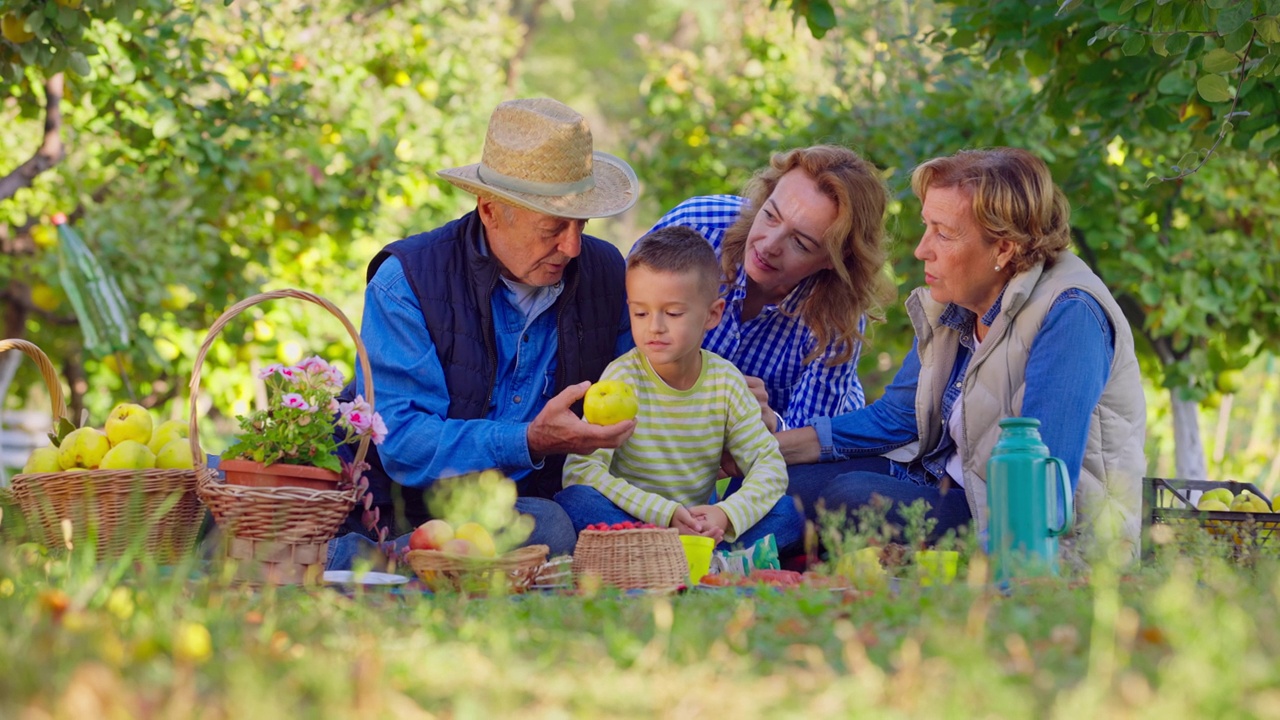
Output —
(83, 448)
(479, 538)
(169, 430)
(42, 460)
(128, 455)
(176, 455)
(608, 402)
(128, 421)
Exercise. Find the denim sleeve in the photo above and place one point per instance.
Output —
(422, 444)
(884, 425)
(1067, 369)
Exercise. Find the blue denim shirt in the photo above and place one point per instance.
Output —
(1060, 394)
(422, 443)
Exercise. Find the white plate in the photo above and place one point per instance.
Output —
(369, 578)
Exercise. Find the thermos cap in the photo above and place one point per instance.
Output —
(1019, 422)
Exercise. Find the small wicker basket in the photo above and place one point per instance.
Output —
(640, 559)
(279, 535)
(514, 571)
(152, 511)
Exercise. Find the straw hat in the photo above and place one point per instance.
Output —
(538, 155)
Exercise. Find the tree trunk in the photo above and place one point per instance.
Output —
(1189, 461)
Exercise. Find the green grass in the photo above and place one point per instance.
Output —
(1190, 634)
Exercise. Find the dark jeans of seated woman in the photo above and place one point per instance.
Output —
(851, 484)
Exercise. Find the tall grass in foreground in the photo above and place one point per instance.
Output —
(1190, 634)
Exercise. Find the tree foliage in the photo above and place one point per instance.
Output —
(213, 152)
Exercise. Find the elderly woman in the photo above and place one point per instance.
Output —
(1010, 323)
(802, 255)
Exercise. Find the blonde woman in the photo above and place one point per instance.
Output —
(802, 255)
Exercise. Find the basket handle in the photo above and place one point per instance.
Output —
(361, 353)
(46, 371)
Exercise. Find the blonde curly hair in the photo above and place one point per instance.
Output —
(856, 285)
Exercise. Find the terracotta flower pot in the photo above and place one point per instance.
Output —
(254, 474)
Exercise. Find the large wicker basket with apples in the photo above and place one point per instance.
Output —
(126, 488)
(465, 560)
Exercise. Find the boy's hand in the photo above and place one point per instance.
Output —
(714, 521)
(685, 522)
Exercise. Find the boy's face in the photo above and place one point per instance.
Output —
(670, 312)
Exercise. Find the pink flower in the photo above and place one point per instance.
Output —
(314, 364)
(379, 429)
(289, 373)
(333, 406)
(296, 401)
(269, 370)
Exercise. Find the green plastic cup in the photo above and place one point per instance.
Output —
(937, 567)
(697, 550)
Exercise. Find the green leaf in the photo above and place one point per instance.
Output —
(1219, 60)
(1158, 45)
(821, 17)
(1067, 6)
(1268, 29)
(1128, 5)
(166, 126)
(1177, 43)
(1232, 18)
(1213, 88)
(1236, 41)
(80, 64)
(1134, 45)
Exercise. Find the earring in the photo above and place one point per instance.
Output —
(997, 268)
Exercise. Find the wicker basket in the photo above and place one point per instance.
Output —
(153, 511)
(515, 571)
(278, 535)
(641, 559)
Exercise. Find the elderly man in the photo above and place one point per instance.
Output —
(482, 334)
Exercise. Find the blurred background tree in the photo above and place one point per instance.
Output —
(208, 152)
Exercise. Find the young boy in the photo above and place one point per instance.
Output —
(694, 405)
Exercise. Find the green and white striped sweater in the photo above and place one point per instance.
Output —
(673, 457)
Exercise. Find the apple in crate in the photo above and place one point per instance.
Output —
(458, 546)
(431, 535)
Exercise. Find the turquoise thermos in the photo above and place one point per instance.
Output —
(1029, 502)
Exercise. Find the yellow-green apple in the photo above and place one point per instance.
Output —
(42, 460)
(168, 430)
(1222, 495)
(608, 402)
(128, 455)
(128, 421)
(479, 538)
(176, 455)
(83, 448)
(431, 535)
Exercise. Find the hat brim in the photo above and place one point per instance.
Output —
(616, 190)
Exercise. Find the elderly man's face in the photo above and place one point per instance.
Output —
(532, 248)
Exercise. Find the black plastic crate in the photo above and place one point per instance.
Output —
(1168, 501)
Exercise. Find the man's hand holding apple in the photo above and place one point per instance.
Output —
(557, 430)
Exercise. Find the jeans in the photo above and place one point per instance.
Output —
(585, 505)
(551, 527)
(849, 485)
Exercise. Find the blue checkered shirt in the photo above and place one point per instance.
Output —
(772, 345)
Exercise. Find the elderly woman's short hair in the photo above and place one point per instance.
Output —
(1012, 196)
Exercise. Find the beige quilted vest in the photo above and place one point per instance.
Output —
(1109, 493)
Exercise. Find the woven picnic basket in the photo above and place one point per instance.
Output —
(153, 512)
(515, 571)
(278, 535)
(639, 559)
